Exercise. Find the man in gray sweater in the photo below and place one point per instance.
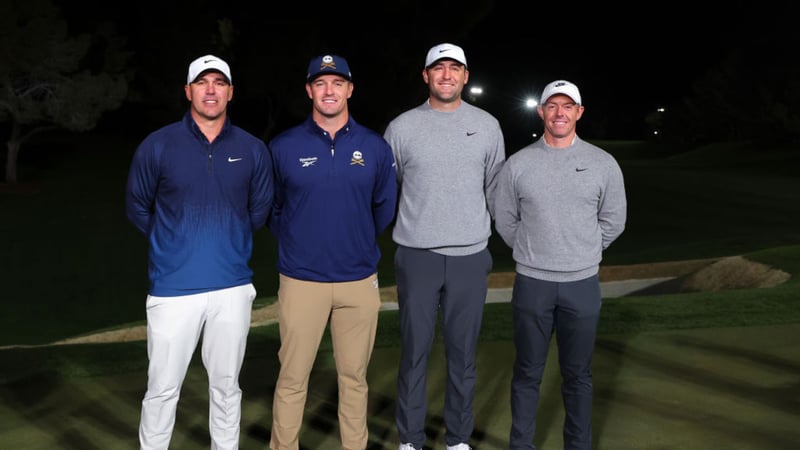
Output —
(448, 155)
(559, 203)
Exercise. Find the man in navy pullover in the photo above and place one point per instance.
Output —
(198, 189)
(335, 193)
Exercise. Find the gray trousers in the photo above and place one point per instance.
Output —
(429, 283)
(571, 311)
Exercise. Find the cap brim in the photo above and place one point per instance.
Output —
(328, 72)
(444, 58)
(212, 70)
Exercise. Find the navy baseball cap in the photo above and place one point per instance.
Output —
(328, 64)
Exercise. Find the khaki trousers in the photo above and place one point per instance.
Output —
(303, 313)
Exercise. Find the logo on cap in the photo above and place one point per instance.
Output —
(327, 63)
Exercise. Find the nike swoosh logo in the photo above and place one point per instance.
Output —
(233, 159)
(471, 133)
(579, 169)
(208, 61)
(443, 50)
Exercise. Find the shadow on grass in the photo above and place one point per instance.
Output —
(694, 389)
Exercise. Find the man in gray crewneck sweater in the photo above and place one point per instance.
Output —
(448, 155)
(560, 202)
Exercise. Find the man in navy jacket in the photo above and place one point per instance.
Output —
(335, 193)
(198, 189)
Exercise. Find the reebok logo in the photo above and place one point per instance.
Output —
(233, 159)
(307, 162)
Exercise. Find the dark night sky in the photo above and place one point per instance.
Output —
(627, 61)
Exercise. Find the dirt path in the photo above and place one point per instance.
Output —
(712, 274)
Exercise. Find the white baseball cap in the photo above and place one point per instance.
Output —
(560, 87)
(443, 51)
(205, 63)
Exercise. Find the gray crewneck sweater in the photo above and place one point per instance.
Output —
(559, 208)
(447, 167)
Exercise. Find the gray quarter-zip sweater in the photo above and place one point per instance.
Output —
(559, 208)
(447, 166)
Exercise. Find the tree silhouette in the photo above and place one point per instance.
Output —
(50, 79)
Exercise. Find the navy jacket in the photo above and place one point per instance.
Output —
(199, 203)
(333, 197)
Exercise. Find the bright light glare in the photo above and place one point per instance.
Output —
(531, 103)
(476, 90)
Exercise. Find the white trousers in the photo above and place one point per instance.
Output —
(174, 327)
